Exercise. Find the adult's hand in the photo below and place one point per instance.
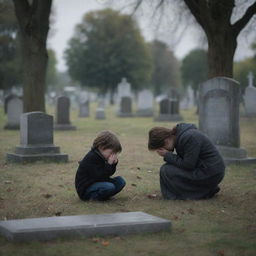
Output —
(162, 151)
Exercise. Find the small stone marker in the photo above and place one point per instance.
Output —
(13, 108)
(145, 103)
(36, 140)
(250, 98)
(62, 113)
(100, 114)
(49, 228)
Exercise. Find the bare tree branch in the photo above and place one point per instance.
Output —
(240, 24)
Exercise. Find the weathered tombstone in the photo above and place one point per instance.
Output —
(123, 89)
(13, 108)
(36, 140)
(187, 101)
(169, 110)
(125, 107)
(48, 228)
(100, 114)
(250, 98)
(62, 114)
(84, 108)
(145, 104)
(219, 117)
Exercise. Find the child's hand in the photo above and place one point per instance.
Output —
(112, 159)
(161, 151)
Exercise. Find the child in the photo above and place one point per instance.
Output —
(93, 180)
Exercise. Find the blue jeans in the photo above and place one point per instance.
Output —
(104, 190)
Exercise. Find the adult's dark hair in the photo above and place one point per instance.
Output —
(158, 135)
(107, 140)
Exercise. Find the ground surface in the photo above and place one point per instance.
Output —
(225, 225)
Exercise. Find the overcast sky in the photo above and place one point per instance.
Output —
(68, 13)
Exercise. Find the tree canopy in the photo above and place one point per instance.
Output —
(194, 68)
(107, 46)
(10, 71)
(165, 67)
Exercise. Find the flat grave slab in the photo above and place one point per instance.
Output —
(48, 228)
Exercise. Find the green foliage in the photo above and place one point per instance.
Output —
(194, 68)
(10, 72)
(107, 46)
(51, 77)
(165, 67)
(242, 69)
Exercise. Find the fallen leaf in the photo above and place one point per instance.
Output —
(152, 196)
(221, 253)
(9, 189)
(138, 168)
(105, 243)
(139, 178)
(134, 185)
(47, 195)
(191, 211)
(8, 182)
(175, 217)
(149, 171)
(58, 213)
(95, 239)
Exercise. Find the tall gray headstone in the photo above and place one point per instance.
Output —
(36, 140)
(219, 117)
(14, 109)
(250, 98)
(63, 114)
(125, 107)
(168, 110)
(145, 103)
(188, 101)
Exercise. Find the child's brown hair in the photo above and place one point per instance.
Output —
(107, 140)
(158, 135)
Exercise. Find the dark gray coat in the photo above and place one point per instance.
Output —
(196, 168)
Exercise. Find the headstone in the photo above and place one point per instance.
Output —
(168, 110)
(84, 108)
(145, 103)
(125, 107)
(219, 117)
(250, 98)
(187, 101)
(36, 140)
(62, 114)
(100, 114)
(14, 109)
(49, 228)
(123, 88)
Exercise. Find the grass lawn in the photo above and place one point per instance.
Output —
(224, 225)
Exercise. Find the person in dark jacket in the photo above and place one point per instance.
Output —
(196, 169)
(92, 179)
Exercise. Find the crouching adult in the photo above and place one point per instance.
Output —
(196, 169)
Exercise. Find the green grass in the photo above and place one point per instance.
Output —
(224, 225)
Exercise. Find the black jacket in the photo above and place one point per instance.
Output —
(93, 168)
(195, 151)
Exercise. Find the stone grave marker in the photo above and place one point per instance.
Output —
(250, 98)
(63, 114)
(219, 117)
(36, 140)
(49, 228)
(145, 103)
(13, 109)
(125, 107)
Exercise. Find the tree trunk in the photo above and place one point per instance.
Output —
(33, 19)
(34, 73)
(221, 50)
